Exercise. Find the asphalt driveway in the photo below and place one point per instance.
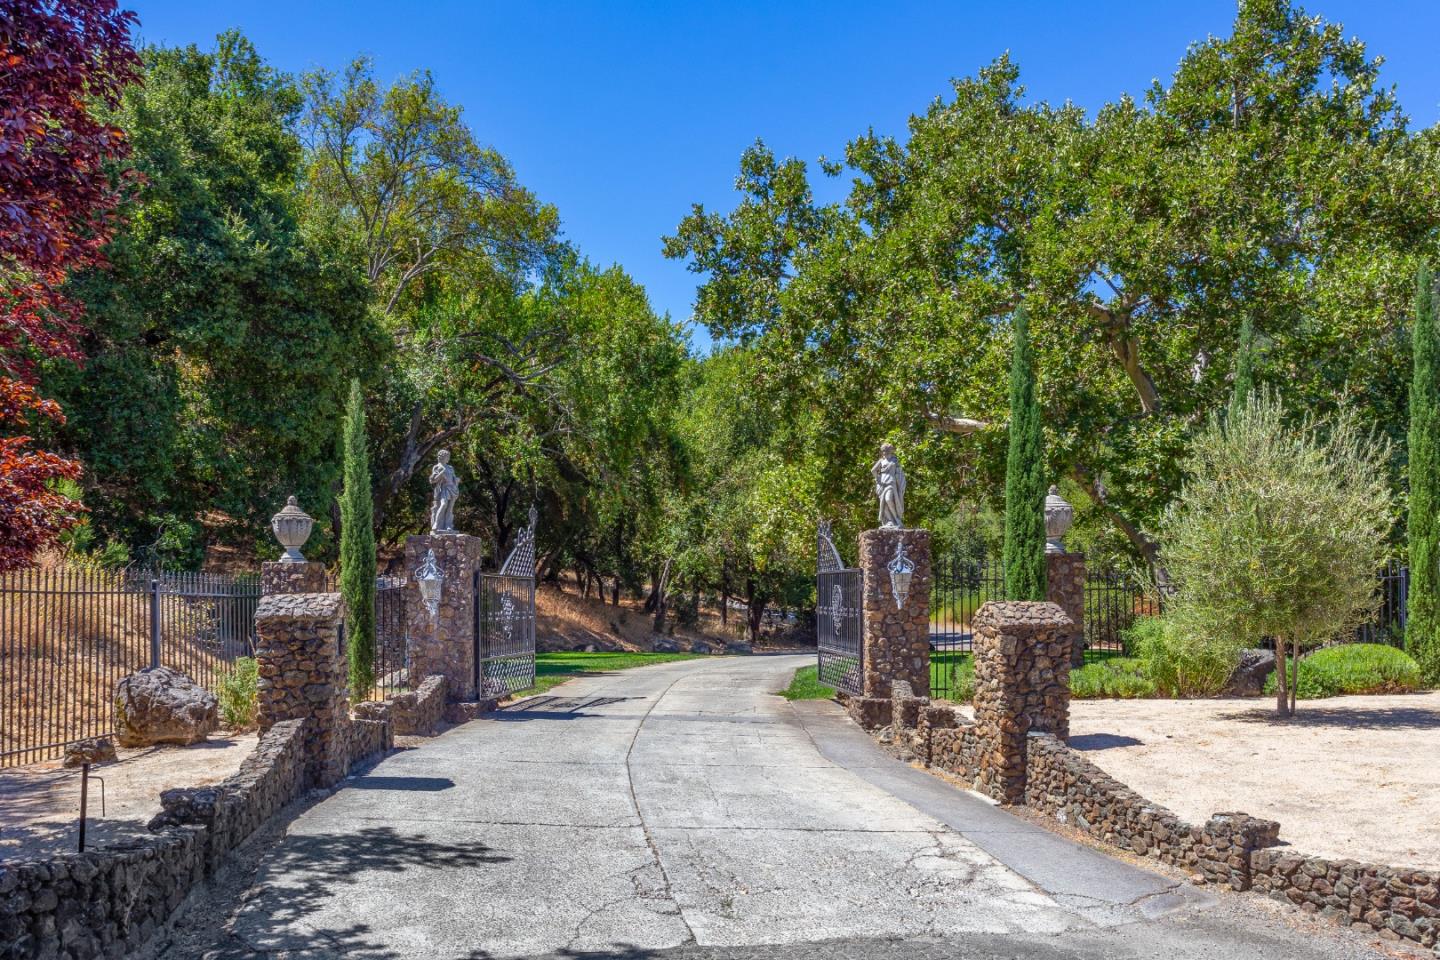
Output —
(683, 810)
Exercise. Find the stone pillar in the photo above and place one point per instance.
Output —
(1065, 587)
(281, 576)
(896, 638)
(445, 643)
(1022, 686)
(300, 654)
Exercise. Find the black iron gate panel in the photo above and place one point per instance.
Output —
(505, 609)
(505, 621)
(840, 652)
(837, 625)
(959, 585)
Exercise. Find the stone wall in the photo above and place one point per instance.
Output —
(414, 712)
(444, 644)
(301, 661)
(110, 900)
(1395, 902)
(279, 576)
(1065, 587)
(1230, 849)
(1022, 684)
(896, 640)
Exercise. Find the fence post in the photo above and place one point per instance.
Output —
(154, 622)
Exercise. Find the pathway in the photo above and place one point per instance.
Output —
(683, 811)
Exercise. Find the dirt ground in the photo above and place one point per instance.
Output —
(1355, 777)
(40, 803)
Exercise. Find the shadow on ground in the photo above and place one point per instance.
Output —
(1102, 741)
(1352, 718)
(280, 922)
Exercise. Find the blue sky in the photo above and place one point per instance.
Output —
(624, 114)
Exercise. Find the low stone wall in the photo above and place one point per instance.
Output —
(1015, 752)
(109, 901)
(416, 712)
(1231, 849)
(1398, 903)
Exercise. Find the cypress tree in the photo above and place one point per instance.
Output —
(1024, 477)
(357, 548)
(1422, 525)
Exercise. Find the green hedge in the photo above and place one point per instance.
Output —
(1355, 668)
(1117, 678)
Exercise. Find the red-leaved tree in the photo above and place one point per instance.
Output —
(59, 59)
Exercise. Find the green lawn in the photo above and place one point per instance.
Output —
(806, 685)
(556, 668)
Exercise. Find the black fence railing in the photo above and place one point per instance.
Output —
(959, 585)
(68, 636)
(1388, 625)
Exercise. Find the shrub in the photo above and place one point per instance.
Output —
(1179, 656)
(1121, 678)
(238, 694)
(1278, 530)
(1354, 668)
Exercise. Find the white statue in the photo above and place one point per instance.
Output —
(890, 488)
(447, 491)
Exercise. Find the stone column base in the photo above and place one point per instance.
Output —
(871, 713)
(283, 576)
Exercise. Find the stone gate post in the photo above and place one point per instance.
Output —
(1065, 587)
(445, 642)
(1022, 686)
(896, 610)
(300, 656)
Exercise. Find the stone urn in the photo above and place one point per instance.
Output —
(292, 528)
(1059, 515)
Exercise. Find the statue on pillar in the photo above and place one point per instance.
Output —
(890, 488)
(446, 488)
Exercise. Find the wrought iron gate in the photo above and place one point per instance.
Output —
(505, 621)
(840, 651)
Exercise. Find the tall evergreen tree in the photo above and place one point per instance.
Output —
(1422, 525)
(1024, 476)
(357, 547)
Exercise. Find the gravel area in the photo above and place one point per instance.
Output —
(40, 803)
(1350, 777)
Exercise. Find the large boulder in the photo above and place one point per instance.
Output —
(1248, 678)
(160, 705)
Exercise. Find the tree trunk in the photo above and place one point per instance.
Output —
(615, 592)
(1282, 680)
(1295, 680)
(754, 610)
(660, 599)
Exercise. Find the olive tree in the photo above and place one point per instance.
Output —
(1279, 528)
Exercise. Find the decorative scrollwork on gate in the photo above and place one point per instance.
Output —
(521, 562)
(837, 617)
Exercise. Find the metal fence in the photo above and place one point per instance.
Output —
(1388, 626)
(67, 636)
(959, 585)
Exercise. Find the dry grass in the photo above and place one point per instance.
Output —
(67, 636)
(565, 620)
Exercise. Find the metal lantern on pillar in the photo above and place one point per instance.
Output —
(902, 569)
(430, 581)
(292, 528)
(1059, 515)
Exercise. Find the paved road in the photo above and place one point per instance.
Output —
(682, 811)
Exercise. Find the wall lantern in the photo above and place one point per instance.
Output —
(901, 570)
(292, 528)
(429, 578)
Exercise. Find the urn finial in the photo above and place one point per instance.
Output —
(292, 528)
(1059, 515)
